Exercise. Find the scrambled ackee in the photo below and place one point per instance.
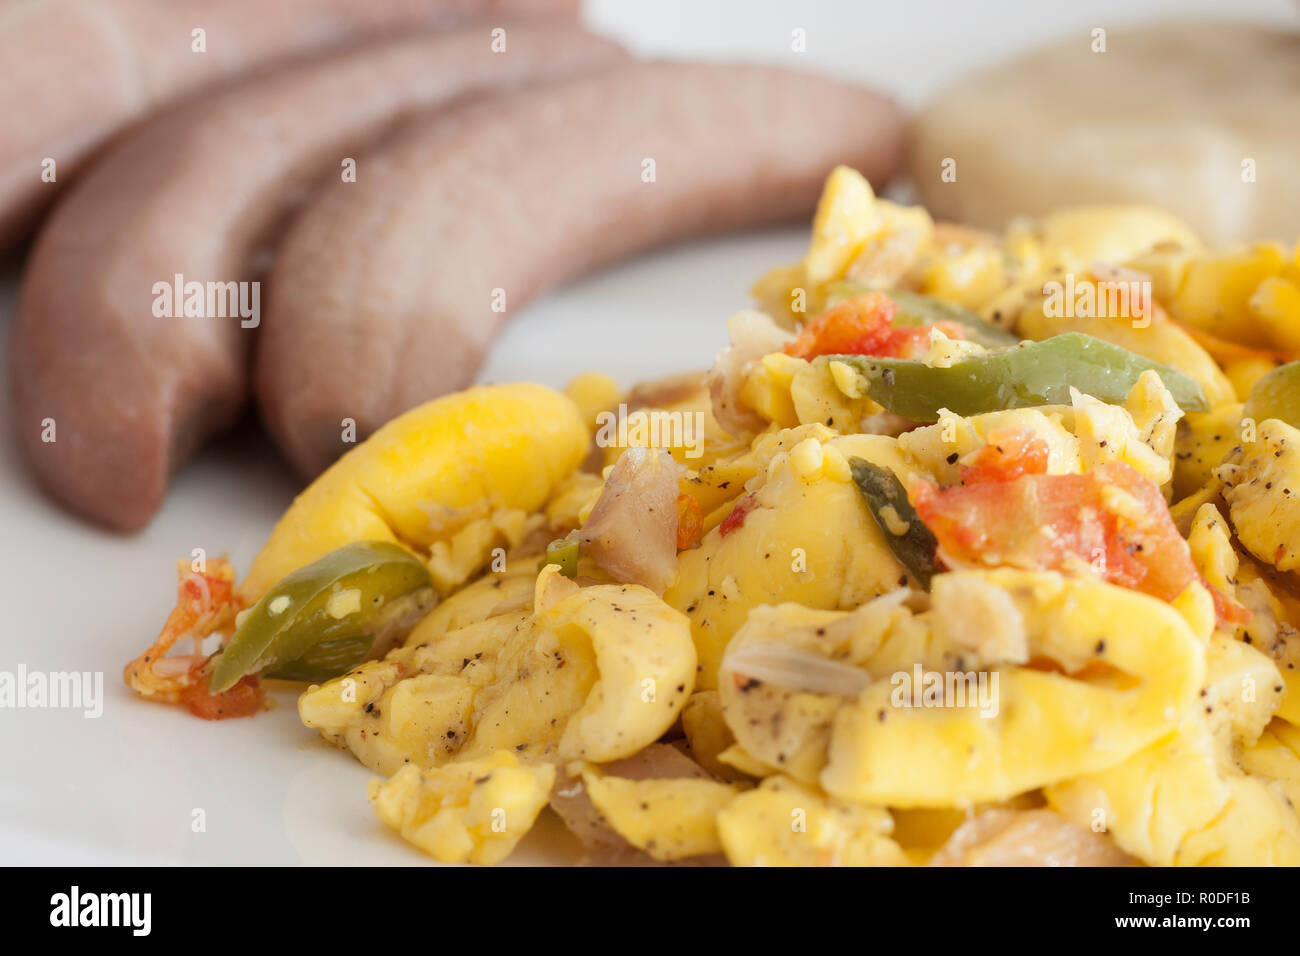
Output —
(968, 550)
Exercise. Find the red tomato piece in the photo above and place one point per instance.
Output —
(859, 326)
(1010, 453)
(1111, 519)
(865, 326)
(242, 700)
(736, 519)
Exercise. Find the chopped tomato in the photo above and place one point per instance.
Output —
(859, 326)
(1010, 453)
(1227, 610)
(865, 326)
(736, 518)
(913, 341)
(242, 700)
(1112, 519)
(690, 522)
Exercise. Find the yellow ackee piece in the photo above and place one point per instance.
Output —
(1183, 802)
(1262, 489)
(1217, 290)
(670, 819)
(784, 823)
(807, 538)
(471, 812)
(1202, 443)
(428, 473)
(707, 734)
(593, 673)
(1276, 756)
(1048, 726)
(1112, 233)
(847, 216)
(1152, 800)
(593, 393)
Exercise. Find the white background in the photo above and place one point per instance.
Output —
(123, 788)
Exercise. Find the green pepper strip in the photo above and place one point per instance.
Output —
(1029, 375)
(915, 309)
(326, 660)
(916, 548)
(563, 552)
(1276, 395)
(292, 622)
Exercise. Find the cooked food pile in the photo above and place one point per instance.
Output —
(985, 554)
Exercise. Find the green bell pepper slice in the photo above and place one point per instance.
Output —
(916, 548)
(1029, 375)
(326, 660)
(563, 552)
(1276, 395)
(311, 625)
